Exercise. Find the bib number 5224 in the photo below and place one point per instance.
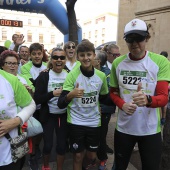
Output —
(89, 100)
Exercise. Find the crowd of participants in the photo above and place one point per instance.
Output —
(71, 87)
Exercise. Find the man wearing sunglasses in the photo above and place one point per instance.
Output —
(139, 86)
(112, 51)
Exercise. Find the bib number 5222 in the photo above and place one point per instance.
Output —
(131, 80)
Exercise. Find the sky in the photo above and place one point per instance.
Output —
(86, 8)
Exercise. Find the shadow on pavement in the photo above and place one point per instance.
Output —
(68, 164)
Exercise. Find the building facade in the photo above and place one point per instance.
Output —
(156, 13)
(36, 28)
(100, 29)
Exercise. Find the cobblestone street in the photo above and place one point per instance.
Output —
(68, 161)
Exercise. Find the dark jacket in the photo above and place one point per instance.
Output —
(42, 96)
(105, 108)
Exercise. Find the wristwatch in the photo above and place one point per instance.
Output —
(149, 98)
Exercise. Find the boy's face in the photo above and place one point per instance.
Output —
(86, 59)
(36, 56)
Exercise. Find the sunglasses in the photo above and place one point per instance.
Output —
(114, 54)
(69, 47)
(135, 39)
(56, 57)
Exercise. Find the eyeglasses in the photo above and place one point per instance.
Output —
(69, 47)
(135, 39)
(114, 54)
(56, 57)
(11, 64)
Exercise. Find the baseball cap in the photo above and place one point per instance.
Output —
(136, 26)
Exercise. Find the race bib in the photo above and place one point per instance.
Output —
(53, 86)
(130, 79)
(88, 99)
(58, 85)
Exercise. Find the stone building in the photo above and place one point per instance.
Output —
(156, 13)
(101, 28)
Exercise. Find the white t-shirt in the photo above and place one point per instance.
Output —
(11, 47)
(56, 80)
(125, 75)
(31, 71)
(69, 65)
(85, 111)
(12, 95)
(109, 65)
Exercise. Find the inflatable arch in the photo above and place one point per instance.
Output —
(52, 9)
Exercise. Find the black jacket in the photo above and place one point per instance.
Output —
(42, 96)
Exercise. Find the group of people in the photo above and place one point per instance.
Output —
(76, 92)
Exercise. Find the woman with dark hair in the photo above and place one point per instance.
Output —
(47, 90)
(9, 62)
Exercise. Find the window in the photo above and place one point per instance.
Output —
(103, 32)
(17, 32)
(4, 34)
(87, 23)
(89, 34)
(95, 43)
(29, 21)
(41, 38)
(52, 39)
(84, 35)
(96, 31)
(101, 19)
(40, 22)
(29, 36)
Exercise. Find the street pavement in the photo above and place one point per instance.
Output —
(69, 162)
